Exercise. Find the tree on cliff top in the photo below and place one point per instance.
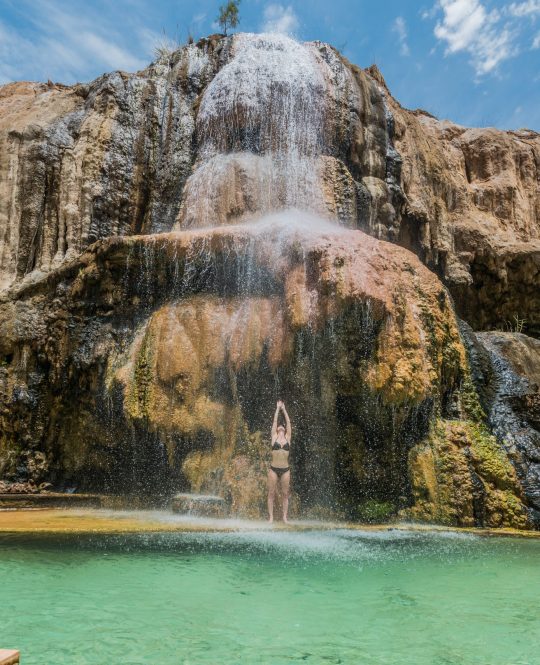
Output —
(228, 15)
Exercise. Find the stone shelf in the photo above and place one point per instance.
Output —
(50, 500)
(203, 505)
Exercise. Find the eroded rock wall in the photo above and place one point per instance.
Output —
(91, 161)
(472, 214)
(147, 363)
(512, 389)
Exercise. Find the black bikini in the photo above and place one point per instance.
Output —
(276, 446)
(279, 471)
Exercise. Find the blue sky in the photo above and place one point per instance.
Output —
(476, 62)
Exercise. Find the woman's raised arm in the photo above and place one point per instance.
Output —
(287, 422)
(274, 424)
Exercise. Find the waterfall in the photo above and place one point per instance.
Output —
(256, 304)
(260, 130)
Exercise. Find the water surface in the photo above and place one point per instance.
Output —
(337, 596)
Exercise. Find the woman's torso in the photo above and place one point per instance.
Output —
(280, 455)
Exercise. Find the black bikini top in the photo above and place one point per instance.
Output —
(276, 446)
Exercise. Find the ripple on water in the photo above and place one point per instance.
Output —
(272, 596)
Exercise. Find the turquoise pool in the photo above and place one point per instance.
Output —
(387, 598)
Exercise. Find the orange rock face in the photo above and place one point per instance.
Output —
(347, 318)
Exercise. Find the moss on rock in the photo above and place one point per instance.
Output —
(460, 476)
(373, 511)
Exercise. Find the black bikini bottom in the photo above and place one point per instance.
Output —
(279, 471)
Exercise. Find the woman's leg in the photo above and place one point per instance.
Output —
(272, 483)
(284, 484)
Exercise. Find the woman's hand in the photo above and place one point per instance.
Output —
(280, 404)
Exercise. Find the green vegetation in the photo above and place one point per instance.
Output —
(469, 400)
(375, 511)
(489, 459)
(228, 15)
(461, 467)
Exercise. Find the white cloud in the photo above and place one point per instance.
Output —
(87, 35)
(467, 26)
(10, 46)
(61, 44)
(21, 58)
(107, 52)
(488, 36)
(400, 28)
(278, 18)
(429, 13)
(463, 20)
(528, 8)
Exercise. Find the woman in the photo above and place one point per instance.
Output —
(279, 473)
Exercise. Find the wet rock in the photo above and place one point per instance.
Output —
(460, 475)
(513, 405)
(175, 386)
(200, 505)
(7, 487)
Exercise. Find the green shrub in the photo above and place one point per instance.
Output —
(375, 511)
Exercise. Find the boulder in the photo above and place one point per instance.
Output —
(199, 505)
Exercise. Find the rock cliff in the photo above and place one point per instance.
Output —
(155, 304)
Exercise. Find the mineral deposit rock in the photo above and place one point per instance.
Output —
(251, 218)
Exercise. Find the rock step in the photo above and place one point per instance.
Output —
(50, 500)
(201, 505)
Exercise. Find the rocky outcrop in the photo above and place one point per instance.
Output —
(91, 161)
(155, 304)
(112, 158)
(512, 389)
(157, 357)
(472, 214)
(460, 475)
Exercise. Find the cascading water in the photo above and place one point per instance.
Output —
(152, 362)
(251, 319)
(261, 132)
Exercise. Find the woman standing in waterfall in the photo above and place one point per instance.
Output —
(279, 472)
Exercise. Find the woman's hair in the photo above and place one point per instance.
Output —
(280, 426)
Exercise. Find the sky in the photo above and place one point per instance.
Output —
(476, 62)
